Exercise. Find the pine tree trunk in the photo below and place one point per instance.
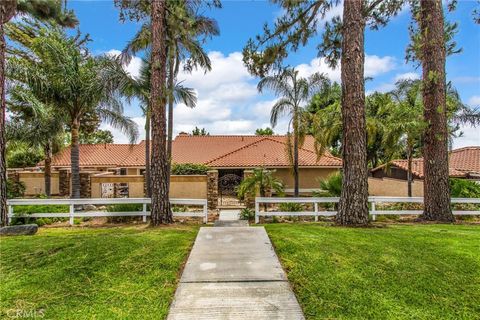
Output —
(295, 153)
(171, 84)
(409, 172)
(48, 169)
(353, 205)
(75, 159)
(147, 153)
(3, 142)
(435, 142)
(161, 211)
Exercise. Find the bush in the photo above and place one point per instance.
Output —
(247, 214)
(24, 158)
(291, 207)
(331, 186)
(185, 169)
(124, 207)
(177, 208)
(39, 209)
(15, 189)
(462, 188)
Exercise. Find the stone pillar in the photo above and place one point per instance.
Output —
(85, 185)
(13, 175)
(64, 183)
(249, 198)
(212, 189)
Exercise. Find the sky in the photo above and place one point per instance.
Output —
(228, 100)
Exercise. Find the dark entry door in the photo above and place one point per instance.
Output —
(228, 181)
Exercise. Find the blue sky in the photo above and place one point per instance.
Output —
(228, 101)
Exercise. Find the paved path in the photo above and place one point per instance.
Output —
(234, 273)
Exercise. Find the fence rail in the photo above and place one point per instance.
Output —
(374, 201)
(75, 213)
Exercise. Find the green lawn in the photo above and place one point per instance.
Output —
(103, 273)
(397, 272)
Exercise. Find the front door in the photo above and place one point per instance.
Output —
(228, 182)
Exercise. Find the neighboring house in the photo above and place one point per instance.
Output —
(231, 155)
(463, 163)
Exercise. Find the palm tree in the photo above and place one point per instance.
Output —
(139, 88)
(40, 9)
(36, 125)
(74, 82)
(184, 38)
(294, 91)
(261, 182)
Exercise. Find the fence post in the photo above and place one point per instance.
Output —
(205, 212)
(72, 211)
(373, 211)
(257, 208)
(315, 205)
(10, 214)
(144, 210)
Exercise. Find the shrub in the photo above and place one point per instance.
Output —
(177, 208)
(124, 207)
(462, 188)
(15, 189)
(247, 214)
(331, 186)
(185, 169)
(291, 207)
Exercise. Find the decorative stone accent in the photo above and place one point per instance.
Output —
(24, 229)
(249, 198)
(64, 183)
(13, 175)
(85, 185)
(212, 189)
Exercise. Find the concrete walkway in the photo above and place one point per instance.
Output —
(234, 273)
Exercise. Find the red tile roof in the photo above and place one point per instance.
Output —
(462, 162)
(215, 151)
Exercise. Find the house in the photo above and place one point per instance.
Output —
(463, 163)
(232, 156)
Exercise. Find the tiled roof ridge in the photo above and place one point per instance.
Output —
(466, 148)
(236, 150)
(308, 150)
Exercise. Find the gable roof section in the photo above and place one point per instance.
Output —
(462, 162)
(214, 151)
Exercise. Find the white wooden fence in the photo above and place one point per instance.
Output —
(73, 213)
(374, 201)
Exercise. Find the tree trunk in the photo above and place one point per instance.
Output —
(48, 169)
(409, 173)
(147, 152)
(171, 84)
(295, 153)
(3, 142)
(161, 211)
(353, 205)
(435, 141)
(75, 159)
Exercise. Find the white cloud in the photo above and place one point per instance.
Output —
(407, 76)
(474, 101)
(228, 101)
(133, 68)
(471, 137)
(374, 66)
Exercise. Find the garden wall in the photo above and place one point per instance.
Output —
(308, 177)
(35, 183)
(393, 187)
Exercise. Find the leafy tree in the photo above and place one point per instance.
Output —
(293, 91)
(40, 9)
(342, 38)
(264, 132)
(200, 132)
(21, 156)
(96, 137)
(75, 83)
(261, 181)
